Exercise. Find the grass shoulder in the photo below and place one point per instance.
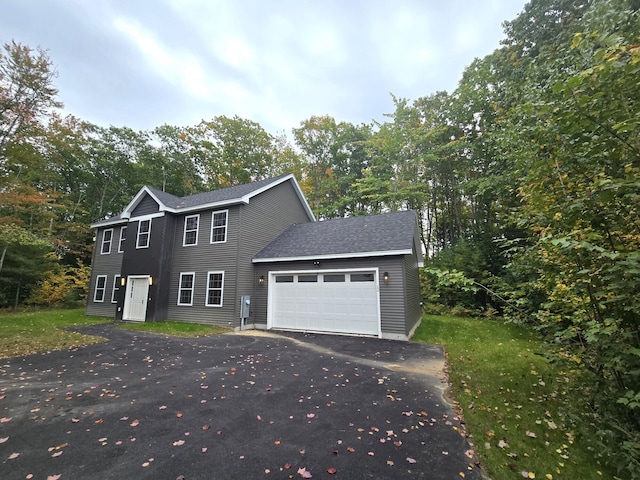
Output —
(179, 329)
(28, 332)
(519, 407)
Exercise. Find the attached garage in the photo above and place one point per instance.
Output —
(353, 276)
(340, 301)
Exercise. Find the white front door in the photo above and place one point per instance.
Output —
(135, 301)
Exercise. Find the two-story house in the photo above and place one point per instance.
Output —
(254, 256)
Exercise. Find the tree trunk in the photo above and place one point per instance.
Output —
(4, 252)
(17, 295)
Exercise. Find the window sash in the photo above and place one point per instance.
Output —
(190, 236)
(107, 238)
(116, 289)
(144, 233)
(123, 237)
(219, 226)
(101, 287)
(186, 288)
(215, 289)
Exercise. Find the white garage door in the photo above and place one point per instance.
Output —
(337, 302)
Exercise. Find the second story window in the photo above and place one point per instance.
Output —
(123, 237)
(107, 237)
(144, 233)
(191, 230)
(219, 226)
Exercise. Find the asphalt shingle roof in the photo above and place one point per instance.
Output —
(353, 235)
(215, 196)
(222, 195)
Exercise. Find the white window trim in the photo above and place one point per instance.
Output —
(184, 234)
(193, 287)
(116, 288)
(120, 242)
(226, 225)
(148, 234)
(104, 289)
(206, 298)
(104, 232)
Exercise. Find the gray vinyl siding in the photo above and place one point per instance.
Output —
(109, 265)
(147, 206)
(392, 305)
(202, 258)
(249, 228)
(266, 217)
(413, 296)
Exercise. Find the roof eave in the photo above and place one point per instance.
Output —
(333, 256)
(108, 222)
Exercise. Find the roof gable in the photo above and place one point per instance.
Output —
(239, 194)
(362, 236)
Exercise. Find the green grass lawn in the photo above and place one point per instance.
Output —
(517, 405)
(23, 333)
(180, 329)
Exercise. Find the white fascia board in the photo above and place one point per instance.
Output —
(126, 213)
(108, 223)
(296, 187)
(333, 256)
(205, 206)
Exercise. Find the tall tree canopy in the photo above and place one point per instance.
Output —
(525, 179)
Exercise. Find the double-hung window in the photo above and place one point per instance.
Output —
(191, 230)
(215, 283)
(116, 288)
(101, 287)
(144, 233)
(107, 238)
(123, 237)
(185, 288)
(219, 226)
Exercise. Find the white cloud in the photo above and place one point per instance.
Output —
(150, 62)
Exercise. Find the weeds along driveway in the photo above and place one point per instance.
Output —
(248, 405)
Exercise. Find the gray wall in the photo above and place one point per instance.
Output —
(249, 229)
(413, 296)
(392, 297)
(147, 206)
(110, 265)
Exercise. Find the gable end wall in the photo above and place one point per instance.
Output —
(147, 206)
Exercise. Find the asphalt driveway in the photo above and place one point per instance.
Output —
(244, 405)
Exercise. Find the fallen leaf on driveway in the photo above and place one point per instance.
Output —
(411, 460)
(304, 473)
(2, 440)
(54, 477)
(135, 423)
(178, 443)
(331, 471)
(14, 455)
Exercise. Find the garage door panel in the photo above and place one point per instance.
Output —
(337, 305)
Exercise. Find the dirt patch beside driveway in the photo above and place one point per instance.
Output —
(245, 405)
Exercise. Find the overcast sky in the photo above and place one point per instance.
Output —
(144, 63)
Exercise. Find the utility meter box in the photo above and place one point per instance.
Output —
(245, 306)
